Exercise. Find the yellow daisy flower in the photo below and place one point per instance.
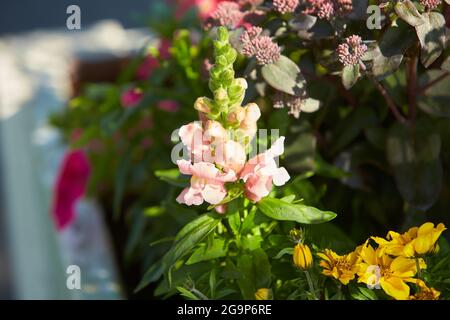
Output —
(302, 256)
(391, 274)
(342, 268)
(425, 293)
(415, 242)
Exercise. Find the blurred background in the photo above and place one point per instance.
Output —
(42, 65)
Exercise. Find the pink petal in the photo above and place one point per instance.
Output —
(70, 186)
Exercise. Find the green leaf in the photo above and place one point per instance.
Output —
(362, 293)
(255, 273)
(351, 127)
(413, 152)
(446, 64)
(350, 75)
(283, 252)
(284, 75)
(432, 37)
(280, 210)
(154, 211)
(408, 12)
(187, 294)
(119, 184)
(203, 253)
(397, 39)
(302, 22)
(436, 99)
(310, 105)
(173, 177)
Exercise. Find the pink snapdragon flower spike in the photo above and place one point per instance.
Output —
(131, 97)
(207, 183)
(168, 105)
(230, 156)
(70, 186)
(262, 171)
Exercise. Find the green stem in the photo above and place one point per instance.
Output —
(419, 272)
(310, 284)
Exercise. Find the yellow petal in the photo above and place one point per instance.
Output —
(395, 287)
(403, 267)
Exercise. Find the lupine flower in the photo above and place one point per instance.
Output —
(261, 171)
(227, 14)
(425, 293)
(169, 105)
(207, 183)
(285, 6)
(131, 97)
(431, 4)
(415, 242)
(302, 256)
(351, 51)
(70, 187)
(391, 274)
(342, 268)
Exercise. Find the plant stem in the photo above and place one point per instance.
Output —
(419, 272)
(389, 101)
(310, 284)
(432, 83)
(411, 78)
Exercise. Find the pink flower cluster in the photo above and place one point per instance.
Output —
(216, 159)
(131, 97)
(285, 6)
(259, 46)
(432, 4)
(351, 51)
(326, 9)
(228, 14)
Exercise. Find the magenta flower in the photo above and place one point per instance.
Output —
(164, 49)
(169, 105)
(207, 183)
(204, 7)
(351, 51)
(131, 97)
(262, 171)
(285, 6)
(70, 186)
(147, 67)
